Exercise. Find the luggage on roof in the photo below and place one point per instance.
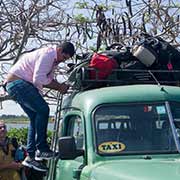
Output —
(151, 60)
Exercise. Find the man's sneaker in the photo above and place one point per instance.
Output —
(44, 155)
(31, 163)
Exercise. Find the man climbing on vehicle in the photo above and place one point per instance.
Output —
(24, 82)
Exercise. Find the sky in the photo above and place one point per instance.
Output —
(12, 108)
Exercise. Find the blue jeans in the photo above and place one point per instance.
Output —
(33, 104)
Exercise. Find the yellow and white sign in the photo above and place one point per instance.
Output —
(111, 147)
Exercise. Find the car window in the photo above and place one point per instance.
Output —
(140, 128)
(75, 128)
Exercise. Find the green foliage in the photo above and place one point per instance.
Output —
(103, 7)
(80, 18)
(94, 49)
(49, 137)
(21, 135)
(87, 5)
(81, 5)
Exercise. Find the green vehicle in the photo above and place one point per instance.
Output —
(126, 132)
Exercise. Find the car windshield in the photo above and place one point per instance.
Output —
(136, 128)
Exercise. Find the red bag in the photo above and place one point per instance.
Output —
(103, 65)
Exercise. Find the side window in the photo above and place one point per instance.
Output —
(75, 128)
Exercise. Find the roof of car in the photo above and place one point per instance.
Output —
(88, 100)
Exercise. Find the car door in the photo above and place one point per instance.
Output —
(73, 126)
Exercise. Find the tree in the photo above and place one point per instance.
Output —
(91, 25)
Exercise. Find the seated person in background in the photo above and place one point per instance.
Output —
(8, 167)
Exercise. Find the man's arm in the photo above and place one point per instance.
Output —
(62, 87)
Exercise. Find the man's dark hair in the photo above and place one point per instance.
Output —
(67, 48)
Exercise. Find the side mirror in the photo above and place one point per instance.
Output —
(67, 148)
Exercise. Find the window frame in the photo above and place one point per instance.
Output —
(70, 128)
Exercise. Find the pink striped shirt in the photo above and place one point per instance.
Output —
(37, 66)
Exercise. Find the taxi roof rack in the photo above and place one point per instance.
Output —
(129, 77)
